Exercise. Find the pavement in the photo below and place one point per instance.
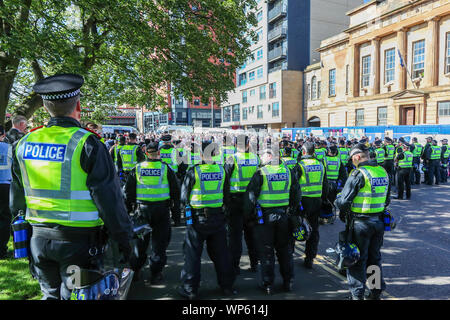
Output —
(415, 257)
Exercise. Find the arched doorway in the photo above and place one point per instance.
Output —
(314, 122)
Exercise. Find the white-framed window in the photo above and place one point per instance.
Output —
(447, 55)
(389, 65)
(259, 73)
(275, 109)
(262, 93)
(418, 67)
(244, 113)
(259, 54)
(259, 109)
(382, 116)
(444, 109)
(252, 92)
(251, 76)
(365, 74)
(332, 83)
(259, 16)
(314, 88)
(272, 90)
(244, 96)
(359, 117)
(259, 35)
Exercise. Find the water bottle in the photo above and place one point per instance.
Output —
(188, 215)
(20, 237)
(259, 214)
(387, 220)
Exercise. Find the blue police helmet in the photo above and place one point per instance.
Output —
(347, 255)
(303, 232)
(107, 288)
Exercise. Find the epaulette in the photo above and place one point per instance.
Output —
(354, 172)
(37, 128)
(98, 136)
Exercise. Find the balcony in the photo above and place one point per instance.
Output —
(279, 10)
(276, 54)
(277, 33)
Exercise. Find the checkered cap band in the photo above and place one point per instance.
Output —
(60, 96)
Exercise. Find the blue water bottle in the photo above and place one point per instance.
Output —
(387, 220)
(259, 214)
(188, 215)
(20, 237)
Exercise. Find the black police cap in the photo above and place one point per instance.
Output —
(152, 147)
(358, 148)
(166, 138)
(60, 86)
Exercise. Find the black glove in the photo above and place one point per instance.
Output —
(126, 250)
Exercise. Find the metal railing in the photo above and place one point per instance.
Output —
(277, 11)
(276, 54)
(276, 33)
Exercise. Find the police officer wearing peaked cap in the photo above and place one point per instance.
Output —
(69, 171)
(155, 188)
(205, 191)
(363, 199)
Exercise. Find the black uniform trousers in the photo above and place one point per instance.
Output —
(444, 173)
(210, 229)
(312, 206)
(237, 227)
(404, 181)
(368, 236)
(434, 171)
(389, 167)
(327, 208)
(50, 260)
(5, 218)
(415, 172)
(275, 234)
(157, 215)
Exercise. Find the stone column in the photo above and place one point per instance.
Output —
(355, 83)
(400, 72)
(376, 65)
(432, 53)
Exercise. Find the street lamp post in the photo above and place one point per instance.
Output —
(212, 113)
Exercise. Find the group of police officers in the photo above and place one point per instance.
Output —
(77, 194)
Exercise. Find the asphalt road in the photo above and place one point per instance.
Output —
(416, 259)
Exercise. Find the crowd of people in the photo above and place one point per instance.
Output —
(81, 192)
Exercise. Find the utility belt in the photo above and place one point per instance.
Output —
(367, 216)
(95, 236)
(205, 213)
(153, 203)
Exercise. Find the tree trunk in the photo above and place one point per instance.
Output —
(8, 71)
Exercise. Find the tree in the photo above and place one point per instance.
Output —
(129, 51)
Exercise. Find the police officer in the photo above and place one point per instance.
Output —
(274, 190)
(336, 177)
(242, 167)
(404, 160)
(343, 152)
(320, 151)
(445, 155)
(417, 153)
(129, 156)
(155, 188)
(433, 157)
(314, 188)
(288, 160)
(380, 153)
(204, 192)
(364, 199)
(388, 164)
(5, 181)
(228, 148)
(69, 171)
(170, 156)
(425, 156)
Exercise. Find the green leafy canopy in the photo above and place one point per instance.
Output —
(129, 51)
